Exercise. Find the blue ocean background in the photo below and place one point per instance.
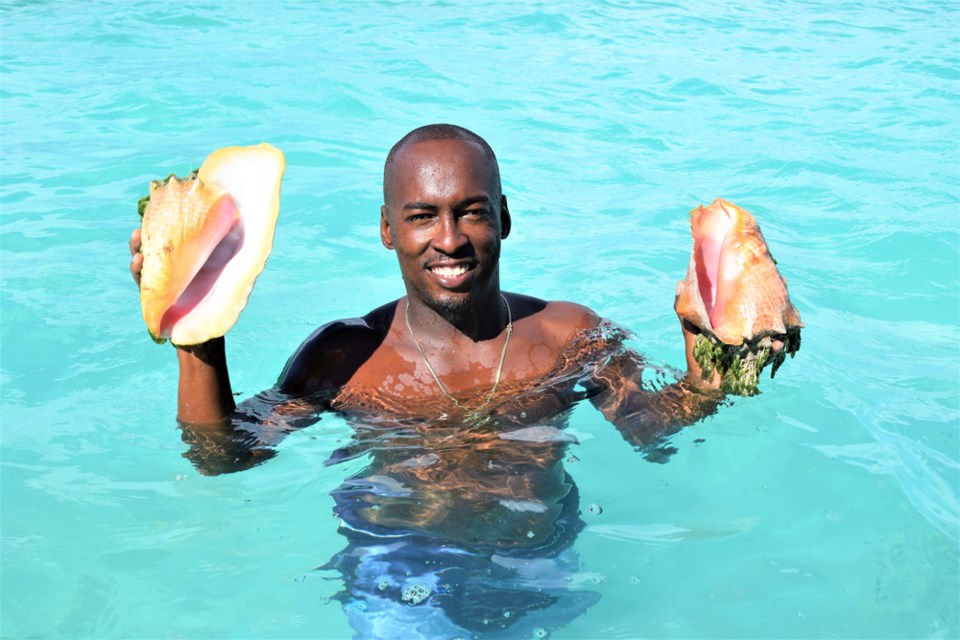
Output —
(825, 507)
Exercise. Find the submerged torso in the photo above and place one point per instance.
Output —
(484, 475)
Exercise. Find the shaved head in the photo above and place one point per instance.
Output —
(438, 132)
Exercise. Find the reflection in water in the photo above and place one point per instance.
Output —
(465, 528)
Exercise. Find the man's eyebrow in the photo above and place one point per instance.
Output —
(420, 205)
(460, 204)
(466, 202)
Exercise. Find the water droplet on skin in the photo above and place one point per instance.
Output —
(595, 509)
(523, 414)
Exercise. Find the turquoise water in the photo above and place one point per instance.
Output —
(826, 507)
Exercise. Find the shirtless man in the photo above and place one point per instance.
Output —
(445, 216)
(459, 391)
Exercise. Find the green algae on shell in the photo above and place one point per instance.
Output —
(740, 365)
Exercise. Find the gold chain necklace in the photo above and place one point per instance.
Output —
(473, 415)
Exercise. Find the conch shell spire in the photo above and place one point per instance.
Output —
(736, 297)
(205, 239)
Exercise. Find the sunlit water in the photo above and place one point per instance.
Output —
(825, 507)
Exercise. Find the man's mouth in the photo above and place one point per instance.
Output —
(452, 275)
(449, 271)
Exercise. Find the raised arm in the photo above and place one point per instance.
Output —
(736, 318)
(203, 393)
(223, 437)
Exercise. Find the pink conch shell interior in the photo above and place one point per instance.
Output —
(227, 225)
(733, 289)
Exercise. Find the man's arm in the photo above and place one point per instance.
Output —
(643, 410)
(224, 438)
(204, 395)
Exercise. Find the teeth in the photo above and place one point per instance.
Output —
(450, 272)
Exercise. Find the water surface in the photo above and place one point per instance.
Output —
(827, 506)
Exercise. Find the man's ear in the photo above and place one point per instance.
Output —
(504, 218)
(385, 236)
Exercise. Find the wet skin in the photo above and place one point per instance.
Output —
(445, 218)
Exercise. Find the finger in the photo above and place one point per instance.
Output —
(136, 265)
(777, 345)
(134, 242)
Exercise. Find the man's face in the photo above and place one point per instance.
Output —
(445, 217)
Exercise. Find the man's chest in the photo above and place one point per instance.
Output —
(399, 368)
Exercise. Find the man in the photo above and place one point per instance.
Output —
(458, 391)
(445, 216)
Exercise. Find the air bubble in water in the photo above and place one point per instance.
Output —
(595, 509)
(415, 593)
(383, 584)
(540, 633)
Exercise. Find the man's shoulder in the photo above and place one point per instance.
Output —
(558, 319)
(331, 355)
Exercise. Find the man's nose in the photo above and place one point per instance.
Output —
(449, 238)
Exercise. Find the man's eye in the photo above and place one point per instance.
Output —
(476, 212)
(417, 217)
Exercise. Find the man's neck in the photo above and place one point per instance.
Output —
(480, 319)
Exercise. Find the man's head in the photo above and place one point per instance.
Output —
(438, 132)
(444, 215)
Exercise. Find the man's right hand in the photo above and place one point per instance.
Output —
(136, 258)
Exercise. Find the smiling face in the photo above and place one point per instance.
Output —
(444, 215)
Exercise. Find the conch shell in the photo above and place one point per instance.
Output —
(205, 239)
(735, 296)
